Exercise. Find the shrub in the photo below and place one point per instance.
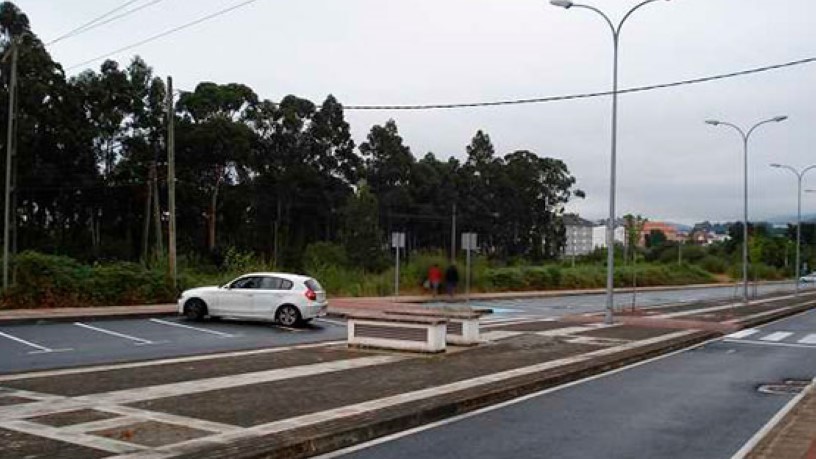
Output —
(504, 279)
(713, 264)
(324, 253)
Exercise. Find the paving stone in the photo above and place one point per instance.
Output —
(68, 418)
(15, 445)
(152, 433)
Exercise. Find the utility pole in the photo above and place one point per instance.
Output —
(157, 211)
(9, 159)
(171, 185)
(453, 235)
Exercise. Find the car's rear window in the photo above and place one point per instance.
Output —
(314, 285)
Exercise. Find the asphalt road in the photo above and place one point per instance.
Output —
(564, 305)
(700, 403)
(59, 345)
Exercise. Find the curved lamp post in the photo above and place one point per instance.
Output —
(610, 226)
(799, 176)
(746, 135)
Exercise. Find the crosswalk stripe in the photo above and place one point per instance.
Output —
(809, 339)
(743, 333)
(776, 336)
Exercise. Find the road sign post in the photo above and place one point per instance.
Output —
(469, 243)
(397, 242)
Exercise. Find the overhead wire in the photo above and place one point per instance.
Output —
(538, 100)
(80, 31)
(91, 22)
(165, 33)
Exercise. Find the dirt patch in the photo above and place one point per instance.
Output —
(285, 399)
(19, 445)
(105, 381)
(152, 433)
(69, 418)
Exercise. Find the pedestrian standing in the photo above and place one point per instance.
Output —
(434, 278)
(451, 279)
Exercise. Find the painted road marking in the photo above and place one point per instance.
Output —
(809, 339)
(769, 343)
(40, 349)
(203, 330)
(332, 322)
(776, 336)
(138, 394)
(150, 363)
(113, 333)
(743, 333)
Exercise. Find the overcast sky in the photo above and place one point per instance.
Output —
(670, 166)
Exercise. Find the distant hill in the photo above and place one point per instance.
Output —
(782, 219)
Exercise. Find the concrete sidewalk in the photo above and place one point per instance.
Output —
(304, 400)
(794, 436)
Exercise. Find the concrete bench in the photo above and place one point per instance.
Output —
(463, 324)
(404, 332)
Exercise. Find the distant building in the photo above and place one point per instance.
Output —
(579, 235)
(670, 231)
(599, 236)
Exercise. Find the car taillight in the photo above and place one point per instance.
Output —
(311, 295)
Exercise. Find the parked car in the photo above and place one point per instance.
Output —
(808, 278)
(288, 299)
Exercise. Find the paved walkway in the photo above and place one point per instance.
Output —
(302, 400)
(794, 437)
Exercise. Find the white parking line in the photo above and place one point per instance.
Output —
(809, 339)
(743, 333)
(40, 349)
(204, 330)
(332, 322)
(113, 333)
(776, 336)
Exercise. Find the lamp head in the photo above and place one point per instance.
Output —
(566, 4)
(776, 165)
(780, 118)
(713, 122)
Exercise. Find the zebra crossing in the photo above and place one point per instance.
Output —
(781, 338)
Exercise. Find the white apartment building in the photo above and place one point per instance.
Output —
(579, 236)
(599, 236)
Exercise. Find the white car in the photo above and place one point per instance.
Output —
(288, 299)
(808, 278)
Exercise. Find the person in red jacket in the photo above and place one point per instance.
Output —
(434, 278)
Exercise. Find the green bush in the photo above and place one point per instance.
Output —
(324, 254)
(713, 264)
(505, 279)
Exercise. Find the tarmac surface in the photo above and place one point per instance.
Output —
(700, 403)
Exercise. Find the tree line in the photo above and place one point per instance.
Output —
(90, 172)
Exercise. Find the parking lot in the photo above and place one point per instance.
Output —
(60, 345)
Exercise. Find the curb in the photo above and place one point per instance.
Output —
(334, 435)
(792, 311)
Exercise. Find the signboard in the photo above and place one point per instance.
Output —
(470, 241)
(397, 240)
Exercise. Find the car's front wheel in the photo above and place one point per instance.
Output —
(195, 309)
(287, 315)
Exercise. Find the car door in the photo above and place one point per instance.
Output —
(270, 296)
(237, 300)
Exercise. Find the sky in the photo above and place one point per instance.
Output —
(671, 166)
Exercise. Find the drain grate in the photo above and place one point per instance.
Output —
(786, 387)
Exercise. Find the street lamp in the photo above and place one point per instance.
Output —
(745, 137)
(610, 227)
(799, 176)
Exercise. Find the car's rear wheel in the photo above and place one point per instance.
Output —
(288, 315)
(195, 309)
